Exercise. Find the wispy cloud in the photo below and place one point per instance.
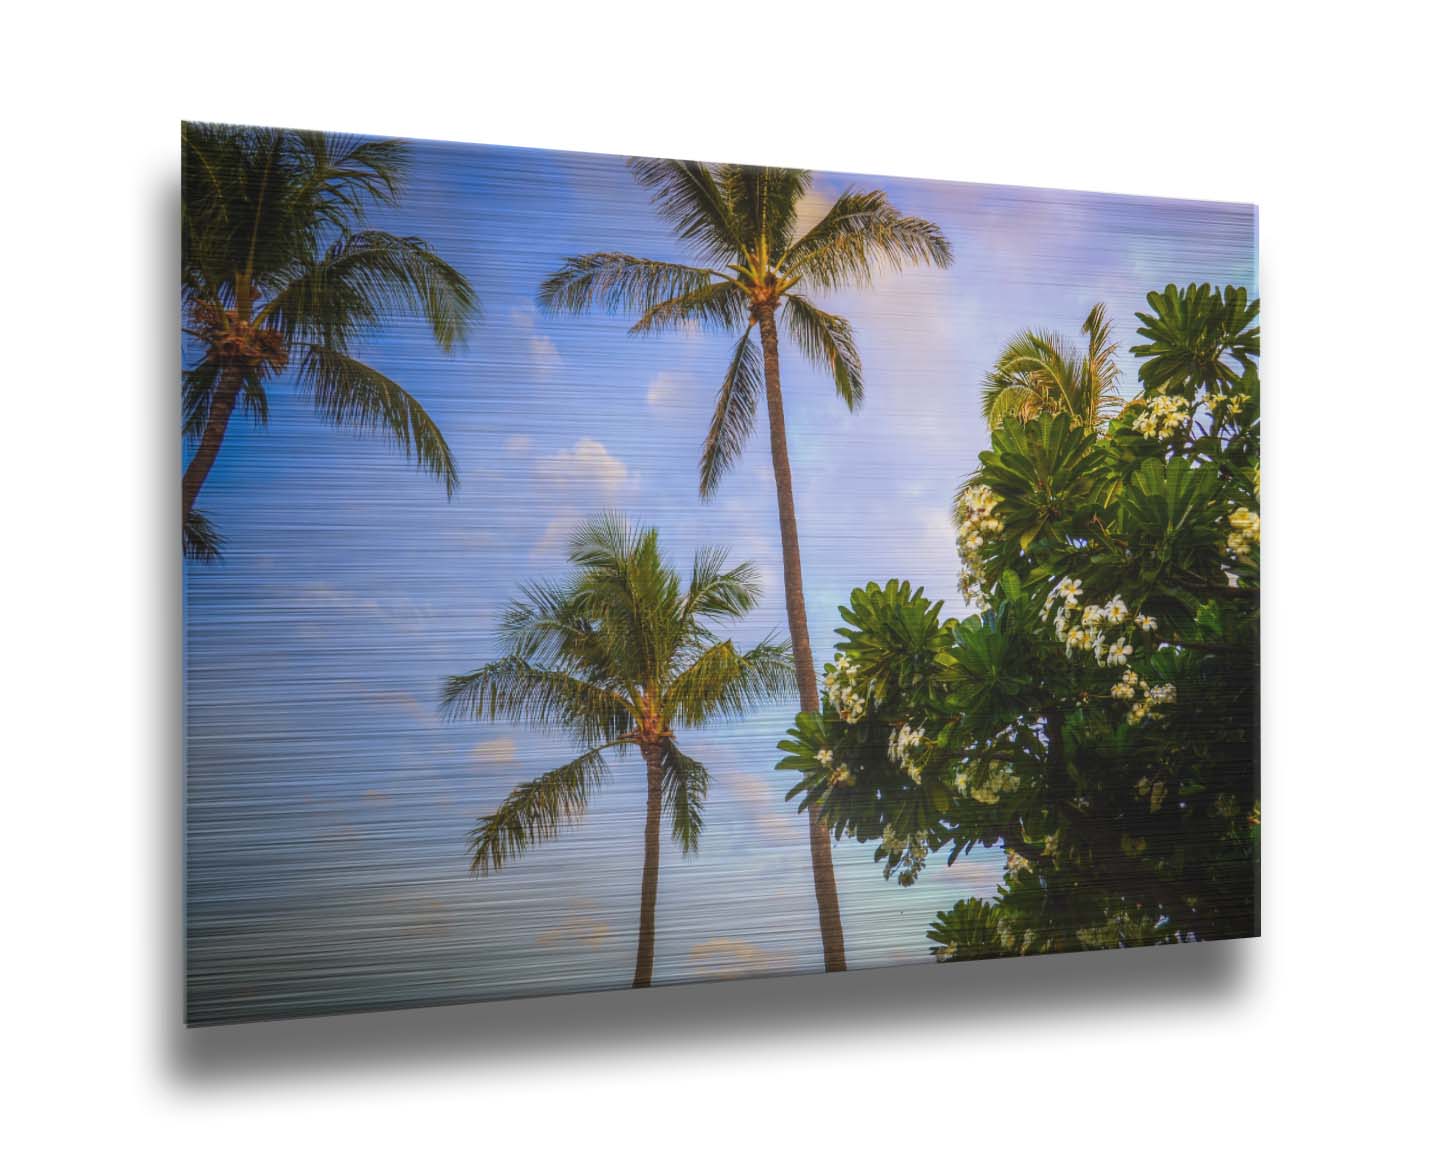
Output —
(764, 807)
(723, 956)
(587, 931)
(556, 537)
(665, 388)
(501, 750)
(544, 356)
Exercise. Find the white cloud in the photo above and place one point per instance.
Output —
(588, 464)
(519, 445)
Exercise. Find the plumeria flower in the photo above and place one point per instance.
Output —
(1246, 525)
(1119, 652)
(1163, 417)
(1147, 623)
(1067, 591)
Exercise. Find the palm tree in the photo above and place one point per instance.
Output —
(279, 277)
(617, 657)
(1041, 372)
(755, 266)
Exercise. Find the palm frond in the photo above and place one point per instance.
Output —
(1035, 372)
(609, 542)
(197, 388)
(828, 342)
(354, 395)
(724, 682)
(734, 416)
(1041, 372)
(1003, 397)
(515, 690)
(547, 626)
(625, 585)
(718, 306)
(862, 231)
(348, 173)
(719, 592)
(617, 282)
(201, 540)
(536, 811)
(687, 197)
(1102, 364)
(364, 278)
(764, 202)
(685, 784)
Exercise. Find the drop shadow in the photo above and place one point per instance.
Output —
(709, 1018)
(160, 458)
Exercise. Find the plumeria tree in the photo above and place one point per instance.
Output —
(1098, 716)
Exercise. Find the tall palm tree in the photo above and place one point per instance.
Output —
(1042, 372)
(618, 657)
(279, 277)
(755, 268)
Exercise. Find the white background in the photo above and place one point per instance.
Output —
(1322, 1031)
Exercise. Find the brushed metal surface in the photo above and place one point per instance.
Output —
(327, 804)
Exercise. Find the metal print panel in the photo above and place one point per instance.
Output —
(609, 572)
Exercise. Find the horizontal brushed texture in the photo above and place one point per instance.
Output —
(327, 804)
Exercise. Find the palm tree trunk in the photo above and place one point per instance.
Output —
(832, 934)
(222, 404)
(650, 880)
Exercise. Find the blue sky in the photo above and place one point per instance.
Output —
(327, 805)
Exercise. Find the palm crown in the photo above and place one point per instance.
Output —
(1042, 372)
(618, 657)
(279, 277)
(741, 222)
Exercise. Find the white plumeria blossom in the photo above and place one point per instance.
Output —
(978, 525)
(1163, 417)
(1246, 534)
(903, 741)
(1126, 686)
(1067, 591)
(1089, 633)
(843, 690)
(1130, 685)
(1217, 402)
